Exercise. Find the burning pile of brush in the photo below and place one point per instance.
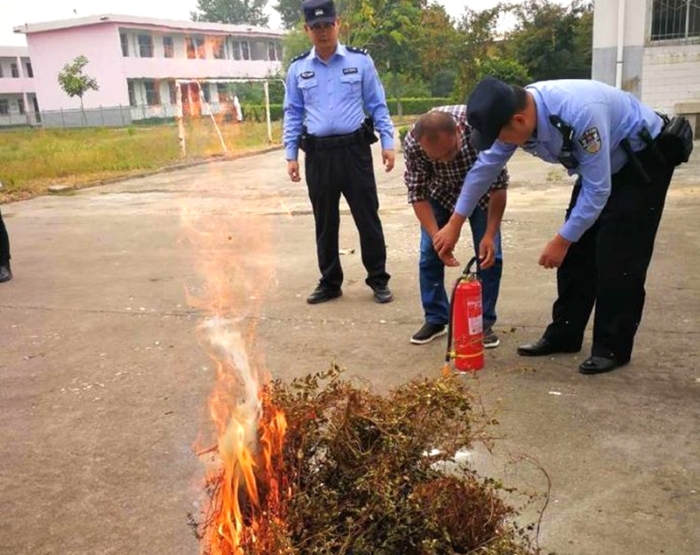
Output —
(331, 468)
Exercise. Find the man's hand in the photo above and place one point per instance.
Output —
(445, 240)
(388, 158)
(449, 259)
(487, 252)
(293, 170)
(553, 254)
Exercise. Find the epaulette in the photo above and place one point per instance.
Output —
(300, 56)
(357, 50)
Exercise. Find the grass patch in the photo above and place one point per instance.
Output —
(33, 159)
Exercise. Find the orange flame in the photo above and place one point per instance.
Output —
(244, 470)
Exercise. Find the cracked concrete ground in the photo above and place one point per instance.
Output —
(103, 384)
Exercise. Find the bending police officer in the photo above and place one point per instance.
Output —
(328, 89)
(602, 251)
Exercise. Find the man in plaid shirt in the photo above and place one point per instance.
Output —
(438, 154)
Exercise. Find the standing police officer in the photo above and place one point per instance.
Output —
(328, 89)
(5, 272)
(602, 252)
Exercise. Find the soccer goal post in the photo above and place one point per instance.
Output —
(196, 96)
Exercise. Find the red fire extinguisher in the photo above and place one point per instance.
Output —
(465, 337)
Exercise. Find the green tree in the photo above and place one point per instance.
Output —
(76, 83)
(249, 12)
(436, 48)
(476, 44)
(290, 12)
(507, 70)
(553, 41)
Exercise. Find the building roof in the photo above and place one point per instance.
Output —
(13, 51)
(29, 28)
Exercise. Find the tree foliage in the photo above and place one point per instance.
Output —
(553, 41)
(250, 12)
(76, 83)
(417, 47)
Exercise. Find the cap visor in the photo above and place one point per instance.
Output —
(482, 141)
(324, 19)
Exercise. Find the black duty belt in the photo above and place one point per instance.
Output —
(338, 141)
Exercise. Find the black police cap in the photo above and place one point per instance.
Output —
(489, 108)
(318, 11)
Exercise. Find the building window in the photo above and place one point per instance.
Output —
(675, 19)
(172, 88)
(241, 50)
(145, 46)
(4, 107)
(125, 44)
(168, 47)
(152, 92)
(14, 69)
(217, 46)
(222, 92)
(30, 71)
(0, 71)
(271, 52)
(195, 48)
(20, 106)
(132, 93)
(206, 93)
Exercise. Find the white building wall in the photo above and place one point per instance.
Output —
(671, 76)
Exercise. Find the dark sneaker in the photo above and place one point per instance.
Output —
(382, 294)
(491, 340)
(428, 332)
(323, 293)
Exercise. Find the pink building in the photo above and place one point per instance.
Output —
(136, 61)
(18, 102)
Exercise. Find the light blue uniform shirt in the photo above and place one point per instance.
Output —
(331, 98)
(601, 117)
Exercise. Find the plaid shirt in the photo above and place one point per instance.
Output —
(442, 181)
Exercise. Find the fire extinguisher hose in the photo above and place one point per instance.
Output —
(466, 274)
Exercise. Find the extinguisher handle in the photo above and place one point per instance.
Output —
(468, 269)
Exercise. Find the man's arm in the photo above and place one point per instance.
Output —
(592, 145)
(375, 103)
(487, 247)
(293, 115)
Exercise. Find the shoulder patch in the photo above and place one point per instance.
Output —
(300, 56)
(357, 50)
(590, 140)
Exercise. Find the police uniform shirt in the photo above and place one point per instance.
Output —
(330, 97)
(601, 117)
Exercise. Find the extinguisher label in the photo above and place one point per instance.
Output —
(475, 325)
(475, 318)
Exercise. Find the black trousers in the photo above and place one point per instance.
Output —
(4, 243)
(348, 171)
(607, 267)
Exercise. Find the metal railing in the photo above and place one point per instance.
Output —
(675, 19)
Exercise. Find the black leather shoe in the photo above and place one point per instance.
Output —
(382, 294)
(543, 347)
(5, 272)
(322, 294)
(598, 365)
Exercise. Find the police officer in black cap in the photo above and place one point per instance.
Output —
(624, 154)
(328, 90)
